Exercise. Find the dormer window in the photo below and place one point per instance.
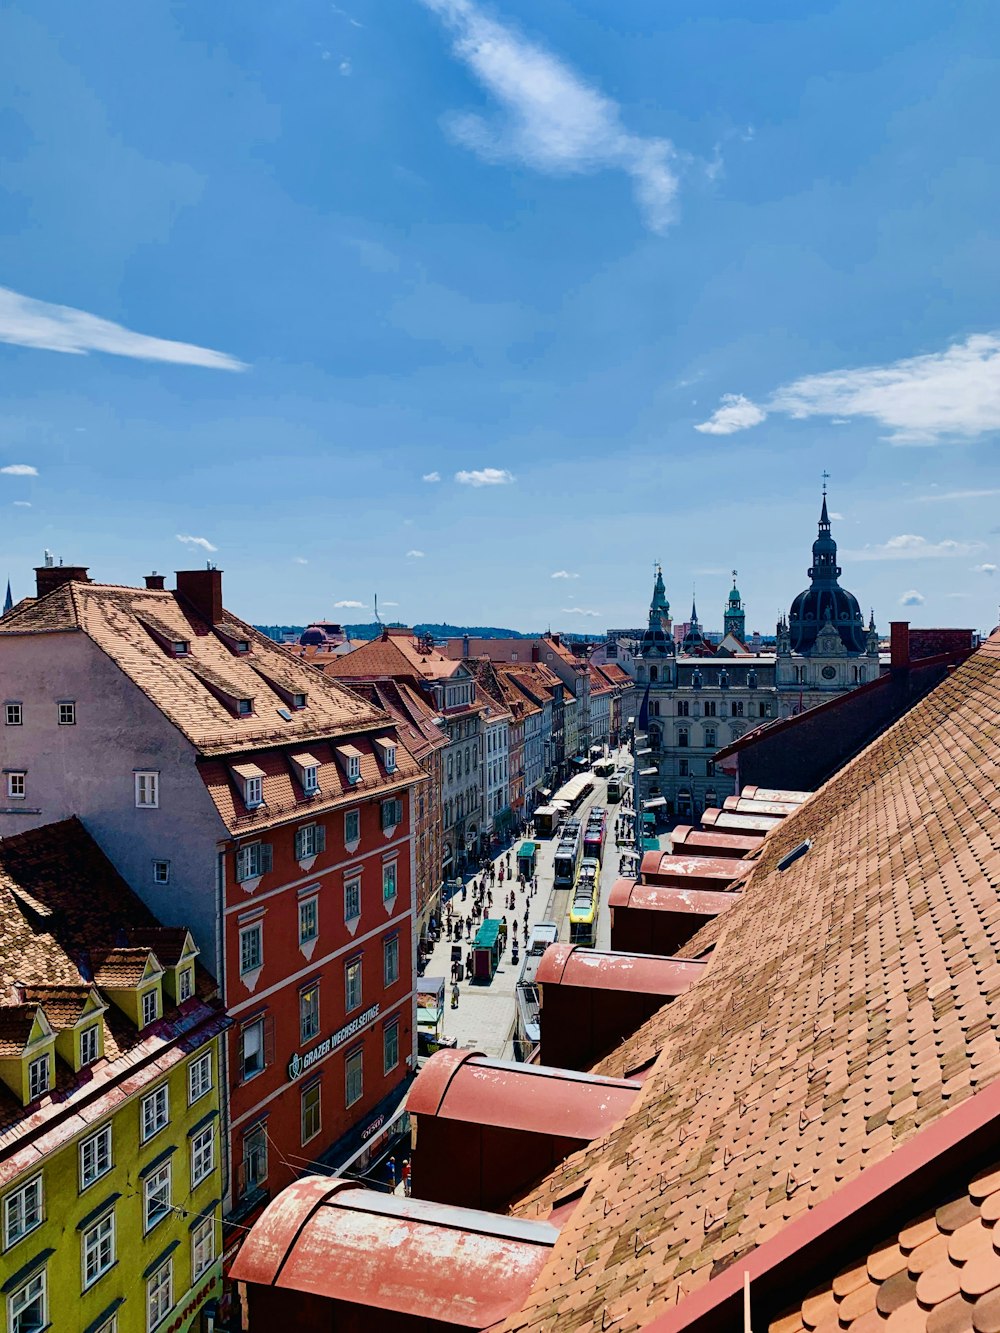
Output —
(181, 647)
(298, 701)
(89, 1045)
(244, 707)
(350, 761)
(39, 1076)
(253, 793)
(150, 1006)
(242, 645)
(310, 780)
(390, 758)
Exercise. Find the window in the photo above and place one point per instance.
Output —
(737, 708)
(159, 1295)
(67, 714)
(352, 899)
(308, 920)
(22, 1211)
(27, 1306)
(202, 1247)
(244, 707)
(353, 768)
(389, 881)
(202, 1155)
(39, 1076)
(150, 1006)
(683, 768)
(254, 1158)
(89, 1044)
(682, 737)
(252, 1049)
(390, 1046)
(451, 768)
(199, 1077)
(354, 1076)
(311, 1119)
(710, 737)
(683, 707)
(298, 701)
(390, 959)
(16, 784)
(13, 715)
(98, 1249)
(310, 779)
(180, 647)
(185, 984)
(390, 758)
(710, 708)
(253, 792)
(161, 872)
(253, 860)
(392, 814)
(310, 840)
(352, 985)
(95, 1157)
(156, 1196)
(352, 826)
(309, 1012)
(147, 790)
(155, 1112)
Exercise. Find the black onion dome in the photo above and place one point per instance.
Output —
(826, 600)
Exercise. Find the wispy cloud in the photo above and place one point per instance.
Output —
(563, 574)
(908, 546)
(838, 517)
(350, 605)
(485, 476)
(390, 603)
(26, 322)
(958, 495)
(912, 598)
(342, 13)
(301, 560)
(203, 542)
(19, 470)
(22, 504)
(551, 119)
(345, 69)
(949, 395)
(415, 555)
(431, 476)
(578, 611)
(986, 568)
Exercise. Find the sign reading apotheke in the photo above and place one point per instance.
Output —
(298, 1064)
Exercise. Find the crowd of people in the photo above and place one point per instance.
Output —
(495, 880)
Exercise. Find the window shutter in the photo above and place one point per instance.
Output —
(300, 838)
(321, 837)
(269, 1040)
(266, 857)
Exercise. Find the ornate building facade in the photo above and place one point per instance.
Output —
(697, 698)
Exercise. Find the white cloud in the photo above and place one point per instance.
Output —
(838, 517)
(949, 395)
(301, 560)
(26, 322)
(984, 569)
(350, 605)
(736, 413)
(19, 470)
(551, 120)
(390, 603)
(912, 598)
(959, 495)
(22, 504)
(203, 542)
(908, 546)
(414, 555)
(563, 574)
(578, 611)
(485, 476)
(345, 69)
(431, 476)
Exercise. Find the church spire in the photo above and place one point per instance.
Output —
(8, 601)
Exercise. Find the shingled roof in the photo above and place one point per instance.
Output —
(850, 1002)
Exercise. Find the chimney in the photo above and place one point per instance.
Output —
(202, 590)
(155, 581)
(899, 645)
(465, 645)
(50, 576)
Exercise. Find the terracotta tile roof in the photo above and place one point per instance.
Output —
(167, 942)
(179, 686)
(850, 1001)
(16, 1022)
(63, 1005)
(395, 654)
(413, 716)
(118, 967)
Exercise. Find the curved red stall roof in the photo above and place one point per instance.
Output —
(748, 805)
(727, 821)
(509, 1095)
(775, 794)
(337, 1239)
(710, 871)
(669, 898)
(702, 842)
(644, 973)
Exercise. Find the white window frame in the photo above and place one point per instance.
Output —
(37, 1286)
(154, 1113)
(352, 986)
(150, 1006)
(258, 1023)
(202, 1247)
(161, 872)
(23, 1211)
(160, 1295)
(98, 1243)
(36, 1088)
(308, 915)
(90, 1041)
(307, 841)
(352, 894)
(253, 792)
(66, 713)
(199, 1077)
(390, 950)
(17, 785)
(247, 933)
(310, 779)
(202, 1155)
(156, 1190)
(100, 1146)
(147, 789)
(354, 1070)
(13, 714)
(390, 758)
(185, 983)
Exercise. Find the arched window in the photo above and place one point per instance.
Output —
(655, 738)
(751, 680)
(652, 673)
(863, 674)
(682, 737)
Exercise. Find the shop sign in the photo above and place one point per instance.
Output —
(192, 1306)
(369, 1130)
(298, 1064)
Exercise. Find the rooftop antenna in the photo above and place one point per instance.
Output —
(378, 618)
(49, 558)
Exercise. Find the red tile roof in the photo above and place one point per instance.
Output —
(850, 1002)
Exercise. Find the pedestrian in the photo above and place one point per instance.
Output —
(468, 965)
(455, 993)
(465, 893)
(406, 1176)
(390, 1169)
(489, 900)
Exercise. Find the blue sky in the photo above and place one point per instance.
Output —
(624, 278)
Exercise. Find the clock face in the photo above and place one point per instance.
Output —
(829, 672)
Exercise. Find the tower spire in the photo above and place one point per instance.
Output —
(8, 601)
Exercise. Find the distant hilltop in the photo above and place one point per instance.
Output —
(283, 632)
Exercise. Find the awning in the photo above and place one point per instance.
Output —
(648, 772)
(655, 803)
(350, 1146)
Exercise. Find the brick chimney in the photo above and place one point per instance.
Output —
(899, 645)
(155, 581)
(50, 576)
(202, 590)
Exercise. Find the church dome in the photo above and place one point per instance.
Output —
(825, 600)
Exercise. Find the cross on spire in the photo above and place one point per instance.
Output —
(826, 478)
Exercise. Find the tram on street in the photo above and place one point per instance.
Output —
(568, 853)
(617, 785)
(584, 907)
(594, 833)
(527, 1032)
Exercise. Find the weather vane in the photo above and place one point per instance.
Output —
(826, 478)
